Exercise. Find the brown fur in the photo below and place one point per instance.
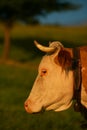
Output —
(83, 53)
(64, 59)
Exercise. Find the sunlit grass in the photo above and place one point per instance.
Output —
(69, 34)
(72, 33)
(22, 37)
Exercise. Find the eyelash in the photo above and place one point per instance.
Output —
(43, 72)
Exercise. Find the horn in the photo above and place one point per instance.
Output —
(43, 48)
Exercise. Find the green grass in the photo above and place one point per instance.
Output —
(15, 85)
(18, 74)
(74, 35)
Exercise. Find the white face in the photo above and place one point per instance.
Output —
(52, 89)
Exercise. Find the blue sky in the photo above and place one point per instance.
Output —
(74, 17)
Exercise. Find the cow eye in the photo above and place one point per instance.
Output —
(43, 72)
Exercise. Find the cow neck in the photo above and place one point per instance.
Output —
(77, 78)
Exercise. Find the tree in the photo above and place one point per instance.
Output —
(12, 10)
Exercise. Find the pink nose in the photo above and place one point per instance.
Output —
(27, 106)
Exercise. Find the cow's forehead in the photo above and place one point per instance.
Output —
(47, 62)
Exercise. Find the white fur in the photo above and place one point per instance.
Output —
(53, 91)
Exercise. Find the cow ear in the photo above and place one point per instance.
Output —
(64, 59)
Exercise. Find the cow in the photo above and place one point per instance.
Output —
(53, 88)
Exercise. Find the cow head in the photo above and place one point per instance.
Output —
(53, 87)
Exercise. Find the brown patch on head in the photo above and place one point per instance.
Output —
(64, 59)
(83, 53)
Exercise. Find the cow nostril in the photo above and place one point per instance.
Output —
(26, 104)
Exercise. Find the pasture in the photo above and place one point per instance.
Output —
(18, 74)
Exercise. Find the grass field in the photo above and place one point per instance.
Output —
(17, 76)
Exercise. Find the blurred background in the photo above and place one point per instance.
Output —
(22, 22)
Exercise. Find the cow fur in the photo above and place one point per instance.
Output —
(60, 59)
(65, 60)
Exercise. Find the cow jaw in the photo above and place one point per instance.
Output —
(59, 105)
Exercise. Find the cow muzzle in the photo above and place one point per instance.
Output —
(27, 105)
(32, 107)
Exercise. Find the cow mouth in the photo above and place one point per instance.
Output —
(56, 105)
(42, 109)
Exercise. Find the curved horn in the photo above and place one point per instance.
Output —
(43, 48)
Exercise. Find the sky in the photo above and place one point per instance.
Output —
(71, 17)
